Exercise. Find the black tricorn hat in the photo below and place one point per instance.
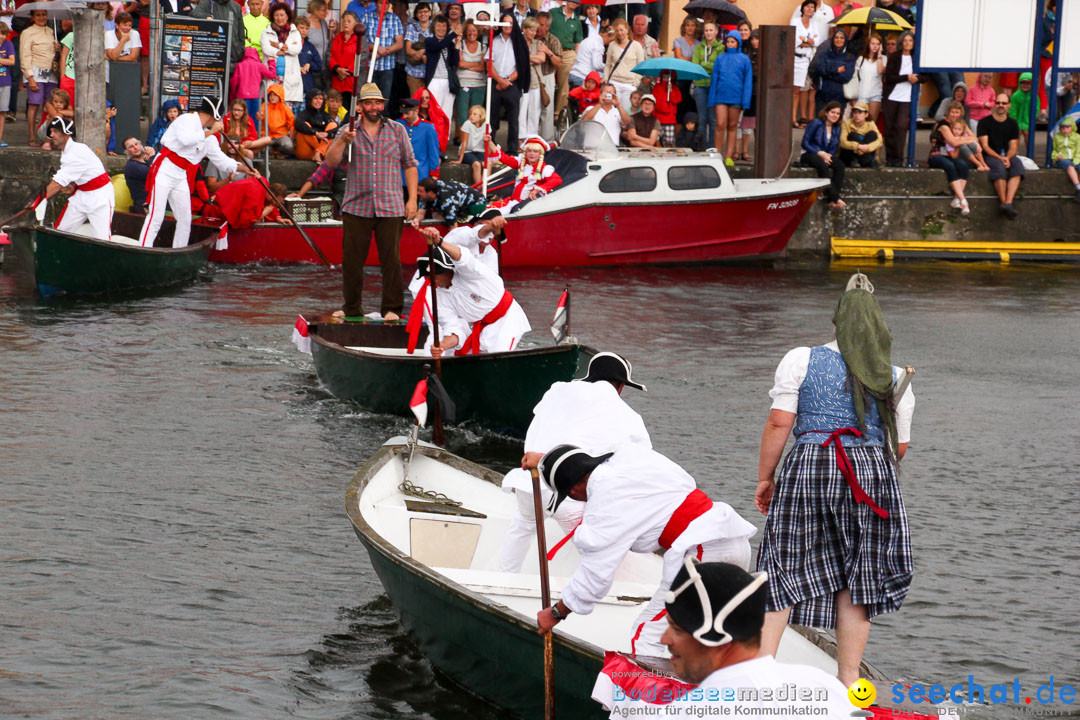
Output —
(563, 467)
(613, 368)
(717, 602)
(443, 262)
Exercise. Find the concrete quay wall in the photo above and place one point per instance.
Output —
(896, 204)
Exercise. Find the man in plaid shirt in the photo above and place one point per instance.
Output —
(373, 202)
(391, 40)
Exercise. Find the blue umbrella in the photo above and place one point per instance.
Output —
(683, 69)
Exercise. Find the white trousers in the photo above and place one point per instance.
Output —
(440, 88)
(623, 91)
(547, 114)
(652, 622)
(522, 531)
(529, 114)
(170, 188)
(95, 207)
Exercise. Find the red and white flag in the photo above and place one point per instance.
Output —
(300, 336)
(418, 403)
(222, 237)
(560, 324)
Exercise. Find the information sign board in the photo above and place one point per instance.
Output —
(194, 60)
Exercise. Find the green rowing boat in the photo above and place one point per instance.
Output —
(366, 362)
(65, 262)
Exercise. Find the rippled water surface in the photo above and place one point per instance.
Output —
(173, 541)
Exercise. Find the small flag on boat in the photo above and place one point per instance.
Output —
(560, 325)
(418, 403)
(300, 336)
(222, 237)
(437, 392)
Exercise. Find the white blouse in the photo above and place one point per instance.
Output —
(791, 372)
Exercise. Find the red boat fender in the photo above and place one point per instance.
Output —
(4, 239)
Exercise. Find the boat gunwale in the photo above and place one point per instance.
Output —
(368, 534)
(137, 249)
(450, 359)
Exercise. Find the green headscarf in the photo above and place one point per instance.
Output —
(866, 346)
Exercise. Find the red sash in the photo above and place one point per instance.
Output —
(472, 343)
(185, 165)
(99, 182)
(416, 317)
(846, 469)
(694, 506)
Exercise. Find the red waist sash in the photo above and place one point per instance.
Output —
(99, 182)
(846, 469)
(472, 343)
(185, 165)
(694, 506)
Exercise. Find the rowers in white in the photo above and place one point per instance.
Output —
(189, 139)
(94, 199)
(477, 314)
(636, 500)
(589, 413)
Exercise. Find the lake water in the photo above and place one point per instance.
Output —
(174, 541)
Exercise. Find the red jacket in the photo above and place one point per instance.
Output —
(665, 104)
(343, 54)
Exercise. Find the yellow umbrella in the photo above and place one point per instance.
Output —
(880, 18)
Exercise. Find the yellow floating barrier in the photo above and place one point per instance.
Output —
(955, 250)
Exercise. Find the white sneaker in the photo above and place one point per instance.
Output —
(965, 209)
(955, 204)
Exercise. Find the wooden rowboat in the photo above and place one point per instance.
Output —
(366, 362)
(72, 262)
(437, 562)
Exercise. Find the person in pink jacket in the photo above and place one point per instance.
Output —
(247, 78)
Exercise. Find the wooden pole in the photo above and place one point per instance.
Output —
(772, 137)
(436, 423)
(89, 49)
(545, 598)
(154, 79)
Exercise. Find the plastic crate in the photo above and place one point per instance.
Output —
(311, 209)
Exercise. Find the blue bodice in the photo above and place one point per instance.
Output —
(826, 404)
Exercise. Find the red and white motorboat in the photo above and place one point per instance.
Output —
(616, 206)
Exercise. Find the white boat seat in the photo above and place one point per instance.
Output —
(389, 352)
(87, 230)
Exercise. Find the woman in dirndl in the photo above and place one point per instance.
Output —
(836, 543)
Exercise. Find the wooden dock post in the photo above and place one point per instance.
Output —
(89, 49)
(772, 137)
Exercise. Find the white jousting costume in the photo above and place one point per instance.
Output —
(183, 147)
(538, 175)
(588, 413)
(477, 307)
(465, 237)
(94, 199)
(638, 500)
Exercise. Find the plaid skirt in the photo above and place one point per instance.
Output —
(667, 136)
(818, 541)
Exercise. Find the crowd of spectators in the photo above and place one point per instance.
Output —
(553, 62)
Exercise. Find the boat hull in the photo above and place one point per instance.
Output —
(60, 262)
(496, 390)
(456, 633)
(594, 235)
